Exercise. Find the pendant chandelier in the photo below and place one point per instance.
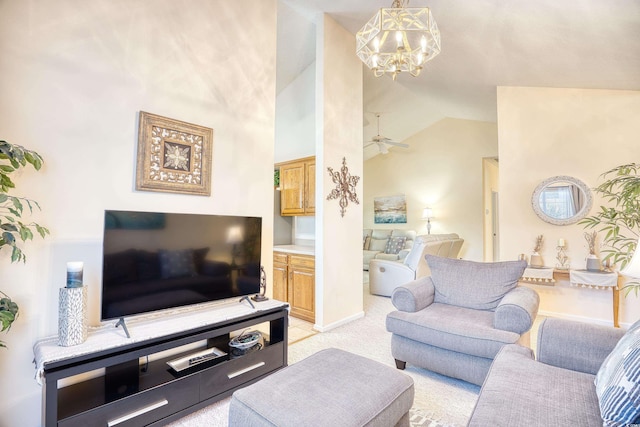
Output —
(398, 39)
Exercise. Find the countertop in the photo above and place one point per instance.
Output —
(296, 249)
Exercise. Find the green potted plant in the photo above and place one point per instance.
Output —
(12, 208)
(620, 220)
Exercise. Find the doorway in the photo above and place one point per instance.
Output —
(490, 198)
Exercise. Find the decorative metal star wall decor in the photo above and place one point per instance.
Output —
(345, 187)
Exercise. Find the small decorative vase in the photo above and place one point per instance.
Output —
(593, 263)
(72, 309)
(536, 260)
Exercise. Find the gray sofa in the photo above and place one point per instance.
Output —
(381, 244)
(558, 388)
(455, 321)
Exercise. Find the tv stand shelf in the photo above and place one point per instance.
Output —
(134, 392)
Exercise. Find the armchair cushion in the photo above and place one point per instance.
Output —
(476, 285)
(517, 310)
(457, 329)
(618, 381)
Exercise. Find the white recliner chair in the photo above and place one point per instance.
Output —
(385, 275)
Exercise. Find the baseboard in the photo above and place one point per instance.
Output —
(338, 323)
(584, 319)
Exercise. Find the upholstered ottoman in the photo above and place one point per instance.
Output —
(330, 388)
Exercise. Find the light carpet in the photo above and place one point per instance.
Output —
(439, 401)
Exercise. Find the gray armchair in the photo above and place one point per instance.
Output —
(558, 388)
(455, 321)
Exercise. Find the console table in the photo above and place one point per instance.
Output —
(137, 386)
(600, 280)
(579, 278)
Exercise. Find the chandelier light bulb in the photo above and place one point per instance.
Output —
(399, 40)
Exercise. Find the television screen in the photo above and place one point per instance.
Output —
(155, 260)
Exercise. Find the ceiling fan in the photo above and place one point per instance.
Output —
(383, 141)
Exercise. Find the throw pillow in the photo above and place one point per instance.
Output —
(378, 244)
(618, 381)
(395, 245)
(176, 263)
(476, 285)
(365, 242)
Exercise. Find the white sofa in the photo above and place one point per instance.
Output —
(385, 275)
(380, 244)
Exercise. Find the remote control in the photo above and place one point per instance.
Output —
(197, 359)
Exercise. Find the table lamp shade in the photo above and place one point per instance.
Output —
(632, 269)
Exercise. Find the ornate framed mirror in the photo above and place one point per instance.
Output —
(561, 200)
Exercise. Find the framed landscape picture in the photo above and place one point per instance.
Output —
(390, 210)
(173, 156)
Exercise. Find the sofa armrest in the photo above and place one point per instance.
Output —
(517, 310)
(574, 345)
(385, 276)
(414, 296)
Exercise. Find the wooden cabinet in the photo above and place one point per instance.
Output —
(294, 281)
(298, 187)
(280, 274)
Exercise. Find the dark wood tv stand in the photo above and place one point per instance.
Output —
(134, 393)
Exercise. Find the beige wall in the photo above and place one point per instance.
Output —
(442, 169)
(339, 135)
(545, 132)
(75, 74)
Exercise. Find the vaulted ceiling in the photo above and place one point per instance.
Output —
(589, 44)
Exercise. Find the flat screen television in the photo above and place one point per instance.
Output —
(155, 260)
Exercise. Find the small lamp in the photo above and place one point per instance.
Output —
(632, 269)
(427, 214)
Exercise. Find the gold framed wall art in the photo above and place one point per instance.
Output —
(173, 156)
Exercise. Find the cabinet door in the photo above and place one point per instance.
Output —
(279, 279)
(292, 189)
(310, 189)
(302, 293)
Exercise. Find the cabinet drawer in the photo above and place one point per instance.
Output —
(237, 372)
(142, 408)
(280, 257)
(302, 261)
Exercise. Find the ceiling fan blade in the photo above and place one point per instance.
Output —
(397, 144)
